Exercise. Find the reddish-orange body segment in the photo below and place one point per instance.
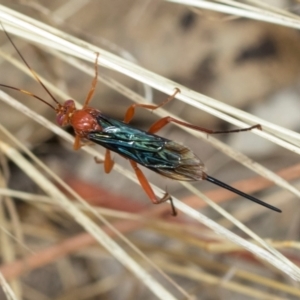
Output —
(83, 121)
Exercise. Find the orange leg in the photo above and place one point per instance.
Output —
(131, 109)
(77, 143)
(166, 120)
(94, 83)
(108, 162)
(147, 188)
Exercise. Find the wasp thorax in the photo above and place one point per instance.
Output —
(84, 121)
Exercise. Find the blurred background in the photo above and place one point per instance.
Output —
(251, 65)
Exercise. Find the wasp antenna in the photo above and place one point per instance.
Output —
(30, 69)
(29, 94)
(232, 189)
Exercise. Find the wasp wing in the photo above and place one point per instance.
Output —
(159, 154)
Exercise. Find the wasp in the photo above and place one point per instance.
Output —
(161, 155)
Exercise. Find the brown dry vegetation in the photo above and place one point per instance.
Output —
(46, 254)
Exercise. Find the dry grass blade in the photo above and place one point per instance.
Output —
(86, 222)
(289, 268)
(246, 11)
(63, 46)
(53, 38)
(213, 141)
(224, 283)
(71, 46)
(7, 289)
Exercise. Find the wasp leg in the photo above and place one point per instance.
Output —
(108, 162)
(78, 143)
(131, 109)
(166, 120)
(147, 188)
(94, 84)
